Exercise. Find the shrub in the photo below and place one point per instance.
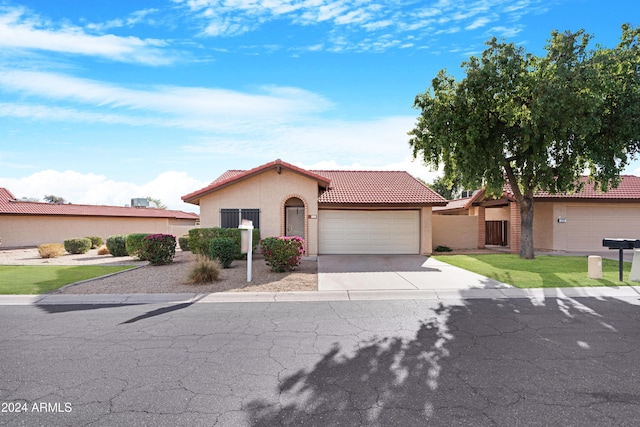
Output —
(184, 243)
(442, 248)
(199, 238)
(223, 249)
(51, 250)
(96, 241)
(77, 246)
(134, 246)
(205, 271)
(282, 253)
(117, 245)
(159, 249)
(103, 251)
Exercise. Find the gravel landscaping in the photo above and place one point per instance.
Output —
(171, 278)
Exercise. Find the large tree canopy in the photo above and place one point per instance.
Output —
(536, 122)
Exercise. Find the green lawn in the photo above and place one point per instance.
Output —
(39, 279)
(542, 272)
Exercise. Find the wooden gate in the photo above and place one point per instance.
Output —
(496, 233)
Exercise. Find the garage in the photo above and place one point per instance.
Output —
(588, 225)
(369, 232)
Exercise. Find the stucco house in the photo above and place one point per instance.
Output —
(25, 224)
(561, 222)
(336, 212)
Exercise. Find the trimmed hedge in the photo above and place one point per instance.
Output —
(117, 245)
(77, 246)
(282, 253)
(223, 249)
(159, 249)
(183, 241)
(134, 246)
(96, 241)
(199, 238)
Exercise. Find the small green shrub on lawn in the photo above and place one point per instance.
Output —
(159, 249)
(77, 246)
(223, 249)
(442, 248)
(117, 245)
(183, 241)
(282, 253)
(205, 271)
(134, 245)
(96, 241)
(51, 250)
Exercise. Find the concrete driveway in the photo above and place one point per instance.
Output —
(395, 272)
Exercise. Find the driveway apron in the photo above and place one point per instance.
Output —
(395, 272)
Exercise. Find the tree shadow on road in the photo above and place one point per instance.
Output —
(556, 360)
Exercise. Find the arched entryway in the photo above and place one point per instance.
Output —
(294, 217)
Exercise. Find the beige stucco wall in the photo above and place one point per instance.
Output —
(496, 214)
(426, 231)
(455, 231)
(266, 191)
(33, 230)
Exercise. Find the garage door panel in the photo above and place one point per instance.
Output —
(588, 225)
(369, 232)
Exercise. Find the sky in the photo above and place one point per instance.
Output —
(102, 102)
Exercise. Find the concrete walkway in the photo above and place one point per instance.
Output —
(396, 273)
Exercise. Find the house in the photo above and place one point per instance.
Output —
(561, 222)
(24, 224)
(336, 212)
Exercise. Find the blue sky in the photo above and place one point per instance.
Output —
(101, 102)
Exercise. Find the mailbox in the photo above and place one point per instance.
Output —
(621, 245)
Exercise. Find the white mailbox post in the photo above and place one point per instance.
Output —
(246, 243)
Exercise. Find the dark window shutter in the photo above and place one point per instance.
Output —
(252, 215)
(229, 218)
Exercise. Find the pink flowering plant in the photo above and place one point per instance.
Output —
(282, 253)
(159, 249)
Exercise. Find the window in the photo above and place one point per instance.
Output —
(231, 218)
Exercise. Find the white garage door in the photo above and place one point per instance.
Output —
(587, 226)
(369, 232)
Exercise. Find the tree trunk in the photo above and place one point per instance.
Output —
(526, 227)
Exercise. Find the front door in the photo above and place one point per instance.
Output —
(294, 221)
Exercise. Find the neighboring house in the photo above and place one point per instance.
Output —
(24, 224)
(561, 222)
(336, 212)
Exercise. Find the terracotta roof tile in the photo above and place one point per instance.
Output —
(376, 187)
(628, 189)
(10, 206)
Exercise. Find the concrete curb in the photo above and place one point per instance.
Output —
(374, 295)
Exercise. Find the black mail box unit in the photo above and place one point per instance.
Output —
(621, 243)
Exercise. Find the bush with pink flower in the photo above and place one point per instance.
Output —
(282, 253)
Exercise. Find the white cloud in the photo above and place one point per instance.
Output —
(188, 107)
(89, 188)
(21, 30)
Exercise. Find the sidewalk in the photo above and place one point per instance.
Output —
(624, 292)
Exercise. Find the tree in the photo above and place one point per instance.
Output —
(157, 202)
(445, 187)
(535, 123)
(54, 199)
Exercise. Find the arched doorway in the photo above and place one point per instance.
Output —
(295, 218)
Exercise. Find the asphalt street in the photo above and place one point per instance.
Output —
(476, 362)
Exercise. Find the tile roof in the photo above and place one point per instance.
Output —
(460, 204)
(629, 189)
(234, 175)
(376, 188)
(10, 206)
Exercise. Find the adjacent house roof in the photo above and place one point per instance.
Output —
(376, 188)
(628, 190)
(342, 187)
(232, 176)
(10, 206)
